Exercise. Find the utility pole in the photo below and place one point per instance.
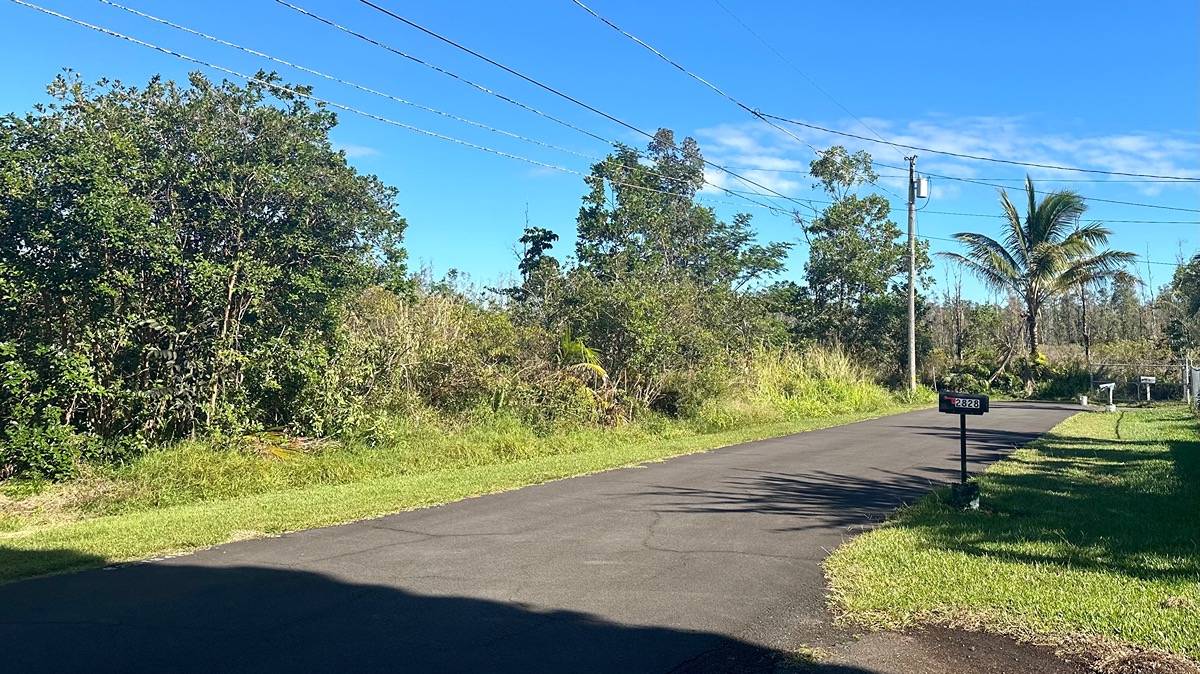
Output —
(912, 272)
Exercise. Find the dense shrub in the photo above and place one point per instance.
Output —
(173, 260)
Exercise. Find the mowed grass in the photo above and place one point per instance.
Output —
(1094, 529)
(194, 496)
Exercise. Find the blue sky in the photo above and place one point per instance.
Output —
(1108, 85)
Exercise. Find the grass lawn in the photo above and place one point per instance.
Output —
(194, 496)
(1094, 529)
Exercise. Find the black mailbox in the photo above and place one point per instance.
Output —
(962, 404)
(952, 402)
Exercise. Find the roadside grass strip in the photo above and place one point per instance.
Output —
(34, 544)
(1092, 530)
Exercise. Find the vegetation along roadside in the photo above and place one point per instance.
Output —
(1090, 531)
(209, 329)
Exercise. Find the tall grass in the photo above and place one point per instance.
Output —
(771, 388)
(780, 385)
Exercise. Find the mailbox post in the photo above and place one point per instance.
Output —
(1110, 387)
(962, 404)
(1147, 381)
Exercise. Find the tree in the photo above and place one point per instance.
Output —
(1182, 299)
(535, 265)
(854, 293)
(177, 258)
(642, 214)
(1088, 279)
(1041, 255)
(660, 288)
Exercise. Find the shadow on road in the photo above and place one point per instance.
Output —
(814, 500)
(175, 617)
(820, 499)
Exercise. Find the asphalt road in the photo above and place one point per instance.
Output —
(709, 562)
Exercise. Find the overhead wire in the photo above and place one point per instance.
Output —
(797, 69)
(1119, 181)
(675, 64)
(1081, 196)
(384, 94)
(443, 71)
(1142, 261)
(349, 83)
(320, 100)
(324, 101)
(563, 95)
(962, 155)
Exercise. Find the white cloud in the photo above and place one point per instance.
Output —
(764, 151)
(356, 151)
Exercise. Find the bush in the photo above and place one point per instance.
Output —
(173, 261)
(40, 448)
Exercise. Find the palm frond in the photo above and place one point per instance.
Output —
(1109, 264)
(990, 252)
(1084, 240)
(1055, 216)
(990, 277)
(1014, 237)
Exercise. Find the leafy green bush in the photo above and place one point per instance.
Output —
(173, 260)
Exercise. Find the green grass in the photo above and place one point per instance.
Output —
(1094, 530)
(192, 495)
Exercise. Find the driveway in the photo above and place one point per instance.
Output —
(707, 562)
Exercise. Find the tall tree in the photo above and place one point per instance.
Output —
(1182, 297)
(1042, 254)
(660, 284)
(854, 292)
(641, 214)
(177, 257)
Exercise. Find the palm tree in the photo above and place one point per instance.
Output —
(1041, 255)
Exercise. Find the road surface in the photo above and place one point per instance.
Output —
(708, 562)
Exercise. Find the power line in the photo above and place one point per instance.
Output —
(563, 95)
(348, 83)
(1036, 191)
(791, 64)
(443, 71)
(317, 99)
(1091, 180)
(1143, 261)
(753, 112)
(1001, 216)
(984, 182)
(1130, 181)
(766, 117)
(960, 155)
(373, 91)
(690, 74)
(480, 87)
(977, 215)
(436, 135)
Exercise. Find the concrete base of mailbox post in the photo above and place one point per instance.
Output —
(965, 496)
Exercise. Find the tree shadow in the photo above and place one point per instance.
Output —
(820, 499)
(813, 500)
(1086, 504)
(16, 563)
(175, 617)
